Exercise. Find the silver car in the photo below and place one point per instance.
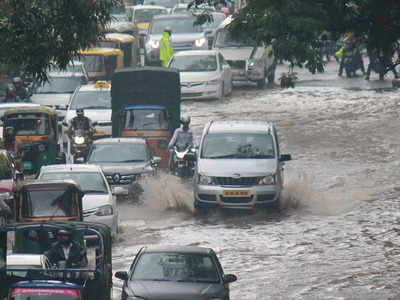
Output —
(124, 161)
(185, 35)
(98, 203)
(239, 165)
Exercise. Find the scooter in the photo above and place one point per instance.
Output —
(184, 161)
(80, 145)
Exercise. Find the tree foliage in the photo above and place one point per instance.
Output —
(293, 27)
(36, 33)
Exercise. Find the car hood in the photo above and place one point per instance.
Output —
(197, 76)
(123, 168)
(52, 100)
(98, 115)
(180, 37)
(243, 167)
(174, 290)
(91, 201)
(236, 53)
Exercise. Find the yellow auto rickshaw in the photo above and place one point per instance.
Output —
(101, 63)
(36, 131)
(127, 43)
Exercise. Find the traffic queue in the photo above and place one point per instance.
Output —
(87, 138)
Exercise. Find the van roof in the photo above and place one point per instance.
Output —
(240, 126)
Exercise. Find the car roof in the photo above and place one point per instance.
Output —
(196, 52)
(246, 126)
(91, 88)
(139, 7)
(17, 104)
(173, 16)
(174, 249)
(71, 168)
(127, 140)
(24, 259)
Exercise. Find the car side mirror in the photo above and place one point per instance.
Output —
(285, 157)
(123, 275)
(229, 278)
(117, 190)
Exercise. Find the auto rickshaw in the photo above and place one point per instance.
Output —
(101, 63)
(36, 130)
(140, 109)
(127, 43)
(92, 282)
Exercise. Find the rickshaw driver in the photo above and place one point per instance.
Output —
(67, 250)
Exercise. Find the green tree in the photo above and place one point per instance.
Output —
(36, 33)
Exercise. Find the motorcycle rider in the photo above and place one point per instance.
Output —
(11, 95)
(14, 147)
(380, 63)
(80, 121)
(20, 90)
(67, 250)
(182, 136)
(351, 49)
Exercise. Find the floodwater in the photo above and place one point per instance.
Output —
(337, 234)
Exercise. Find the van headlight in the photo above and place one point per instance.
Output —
(251, 63)
(200, 42)
(105, 210)
(206, 180)
(154, 44)
(268, 180)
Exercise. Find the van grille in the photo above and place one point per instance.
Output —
(247, 181)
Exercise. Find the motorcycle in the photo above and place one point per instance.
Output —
(80, 145)
(184, 161)
(352, 61)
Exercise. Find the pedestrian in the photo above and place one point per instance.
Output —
(166, 49)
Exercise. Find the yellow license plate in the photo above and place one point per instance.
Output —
(236, 193)
(99, 132)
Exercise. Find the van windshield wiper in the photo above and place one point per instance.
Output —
(233, 155)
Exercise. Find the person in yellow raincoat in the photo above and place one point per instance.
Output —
(166, 49)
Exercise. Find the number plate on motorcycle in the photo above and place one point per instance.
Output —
(236, 193)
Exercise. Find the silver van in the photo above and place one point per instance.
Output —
(239, 165)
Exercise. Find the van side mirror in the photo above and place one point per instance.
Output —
(285, 157)
(123, 275)
(229, 278)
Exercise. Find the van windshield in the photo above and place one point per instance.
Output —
(238, 145)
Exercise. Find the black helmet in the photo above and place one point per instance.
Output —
(168, 29)
(17, 81)
(185, 120)
(80, 112)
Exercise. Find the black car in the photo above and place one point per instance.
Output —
(175, 272)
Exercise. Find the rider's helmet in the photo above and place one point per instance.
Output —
(64, 236)
(10, 90)
(17, 81)
(168, 29)
(80, 112)
(185, 120)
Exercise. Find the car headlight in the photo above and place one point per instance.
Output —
(79, 140)
(251, 63)
(105, 210)
(268, 180)
(154, 44)
(200, 42)
(206, 180)
(213, 82)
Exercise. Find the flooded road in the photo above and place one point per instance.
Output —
(337, 234)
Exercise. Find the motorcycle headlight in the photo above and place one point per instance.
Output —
(154, 44)
(105, 210)
(79, 140)
(268, 180)
(180, 155)
(206, 180)
(200, 42)
(213, 82)
(41, 148)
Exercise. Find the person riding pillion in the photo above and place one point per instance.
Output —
(183, 136)
(166, 49)
(80, 121)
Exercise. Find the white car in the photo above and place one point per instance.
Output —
(26, 261)
(95, 99)
(5, 106)
(98, 203)
(203, 73)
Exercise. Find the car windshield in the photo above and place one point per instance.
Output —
(146, 15)
(90, 182)
(184, 267)
(194, 63)
(148, 119)
(92, 100)
(238, 145)
(49, 203)
(29, 123)
(165, 3)
(74, 67)
(59, 85)
(5, 168)
(224, 39)
(44, 294)
(178, 25)
(127, 152)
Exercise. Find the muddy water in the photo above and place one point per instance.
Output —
(337, 234)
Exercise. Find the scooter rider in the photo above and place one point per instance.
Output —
(351, 49)
(182, 136)
(81, 122)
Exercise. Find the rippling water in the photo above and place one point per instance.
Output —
(337, 235)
